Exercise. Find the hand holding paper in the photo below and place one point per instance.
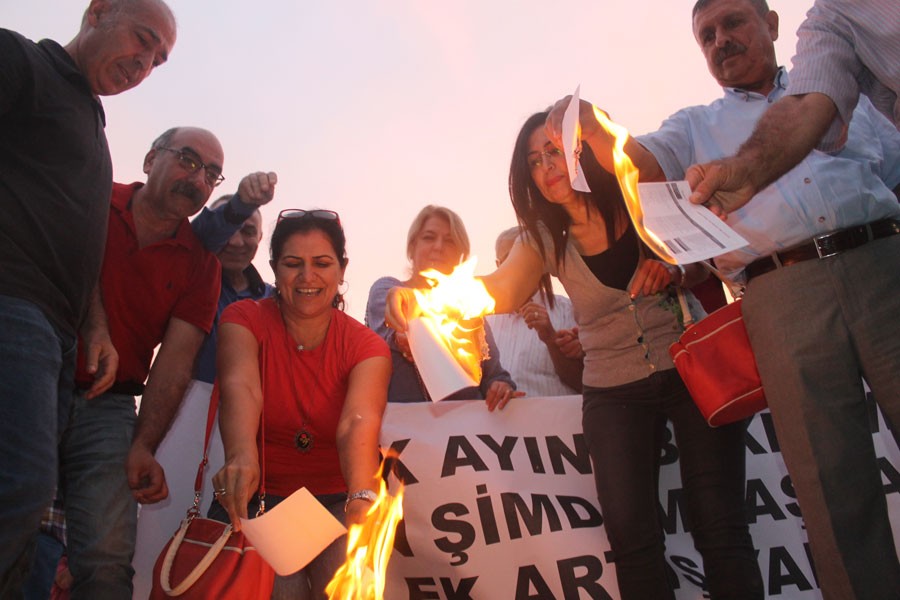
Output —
(571, 139)
(690, 232)
(293, 533)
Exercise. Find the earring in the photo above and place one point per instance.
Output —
(345, 290)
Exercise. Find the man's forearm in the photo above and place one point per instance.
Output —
(784, 135)
(95, 318)
(215, 226)
(160, 403)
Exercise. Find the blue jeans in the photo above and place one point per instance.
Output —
(43, 571)
(624, 428)
(101, 514)
(37, 365)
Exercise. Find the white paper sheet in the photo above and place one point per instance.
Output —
(571, 138)
(293, 533)
(440, 372)
(691, 232)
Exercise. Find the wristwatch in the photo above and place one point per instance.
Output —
(367, 495)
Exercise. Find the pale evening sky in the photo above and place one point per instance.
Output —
(375, 108)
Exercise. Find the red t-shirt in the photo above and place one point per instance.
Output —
(143, 288)
(303, 390)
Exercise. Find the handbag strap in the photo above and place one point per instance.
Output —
(165, 573)
(736, 289)
(194, 510)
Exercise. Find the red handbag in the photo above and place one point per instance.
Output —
(714, 358)
(207, 558)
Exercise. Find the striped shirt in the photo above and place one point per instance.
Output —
(846, 48)
(525, 355)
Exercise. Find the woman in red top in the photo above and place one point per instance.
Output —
(316, 378)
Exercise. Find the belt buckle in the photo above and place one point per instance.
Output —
(824, 249)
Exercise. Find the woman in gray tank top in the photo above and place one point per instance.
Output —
(627, 319)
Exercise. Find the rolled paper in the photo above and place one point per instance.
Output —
(441, 373)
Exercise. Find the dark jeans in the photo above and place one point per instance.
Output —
(101, 513)
(624, 428)
(37, 365)
(43, 571)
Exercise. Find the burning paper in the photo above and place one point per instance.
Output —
(677, 231)
(293, 533)
(369, 547)
(441, 373)
(571, 138)
(627, 174)
(447, 339)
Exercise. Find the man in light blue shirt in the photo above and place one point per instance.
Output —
(844, 49)
(819, 312)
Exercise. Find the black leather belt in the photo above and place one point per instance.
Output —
(823, 246)
(128, 388)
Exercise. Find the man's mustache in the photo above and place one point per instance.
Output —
(189, 190)
(728, 51)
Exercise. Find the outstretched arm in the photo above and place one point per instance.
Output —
(240, 407)
(168, 379)
(359, 428)
(510, 285)
(215, 226)
(783, 137)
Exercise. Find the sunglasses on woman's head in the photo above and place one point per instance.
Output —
(297, 213)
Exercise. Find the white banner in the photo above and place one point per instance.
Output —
(502, 505)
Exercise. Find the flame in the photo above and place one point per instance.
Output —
(628, 175)
(454, 305)
(369, 547)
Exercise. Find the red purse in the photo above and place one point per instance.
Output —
(714, 358)
(207, 558)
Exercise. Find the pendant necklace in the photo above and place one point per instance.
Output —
(303, 439)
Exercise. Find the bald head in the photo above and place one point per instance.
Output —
(121, 41)
(118, 6)
(238, 253)
(182, 167)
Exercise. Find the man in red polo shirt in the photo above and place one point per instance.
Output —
(159, 286)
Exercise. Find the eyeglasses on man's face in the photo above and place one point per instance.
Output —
(299, 213)
(192, 163)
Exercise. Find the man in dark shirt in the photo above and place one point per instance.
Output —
(55, 184)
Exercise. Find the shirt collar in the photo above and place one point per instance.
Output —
(781, 82)
(254, 281)
(121, 203)
(66, 67)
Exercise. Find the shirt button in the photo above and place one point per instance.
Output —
(652, 367)
(631, 307)
(807, 180)
(821, 219)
